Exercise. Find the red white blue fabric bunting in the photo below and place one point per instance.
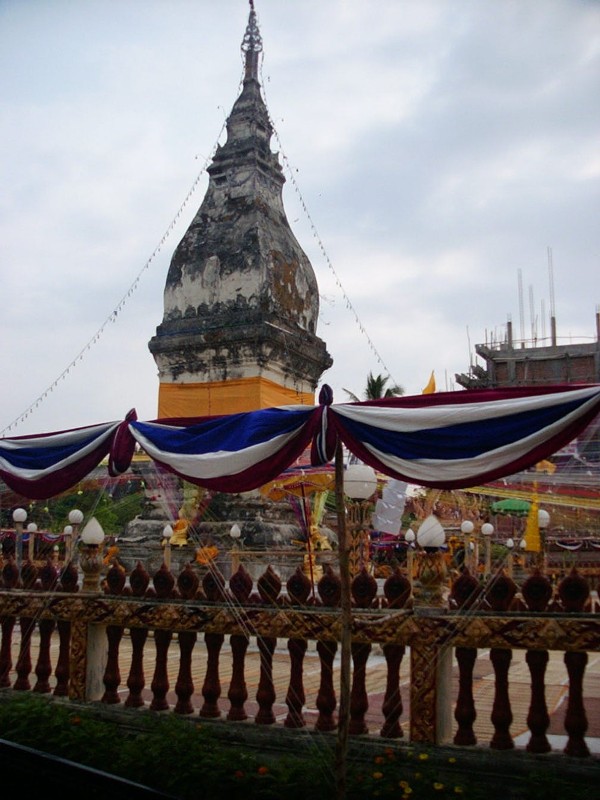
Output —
(44, 465)
(443, 440)
(233, 453)
(453, 440)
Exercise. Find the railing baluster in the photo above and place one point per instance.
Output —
(537, 592)
(211, 688)
(10, 580)
(24, 665)
(501, 716)
(8, 626)
(326, 697)
(240, 585)
(359, 699)
(265, 694)
(213, 585)
(68, 582)
(160, 681)
(576, 723)
(397, 591)
(136, 680)
(238, 692)
(164, 583)
(464, 712)
(184, 686)
(114, 584)
(364, 592)
(330, 592)
(43, 668)
(62, 670)
(139, 580)
(500, 594)
(269, 587)
(574, 592)
(392, 702)
(538, 719)
(112, 674)
(465, 594)
(187, 583)
(299, 588)
(295, 697)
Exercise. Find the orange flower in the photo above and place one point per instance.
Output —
(238, 774)
(204, 555)
(263, 770)
(75, 720)
(379, 760)
(378, 775)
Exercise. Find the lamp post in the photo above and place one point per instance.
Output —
(355, 476)
(31, 531)
(409, 538)
(90, 558)
(487, 530)
(75, 520)
(467, 529)
(510, 545)
(68, 534)
(236, 534)
(19, 516)
(167, 536)
(543, 523)
(360, 484)
(523, 548)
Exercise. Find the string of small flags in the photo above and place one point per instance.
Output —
(112, 317)
(317, 238)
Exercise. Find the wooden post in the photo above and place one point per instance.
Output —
(346, 629)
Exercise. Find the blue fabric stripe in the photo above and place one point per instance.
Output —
(230, 434)
(461, 441)
(40, 457)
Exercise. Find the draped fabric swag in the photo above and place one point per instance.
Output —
(446, 440)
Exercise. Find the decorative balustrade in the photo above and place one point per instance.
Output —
(176, 615)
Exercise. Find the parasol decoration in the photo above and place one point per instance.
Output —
(298, 486)
(513, 507)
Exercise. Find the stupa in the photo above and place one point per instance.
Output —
(241, 304)
(241, 299)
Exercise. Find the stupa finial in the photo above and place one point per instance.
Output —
(252, 45)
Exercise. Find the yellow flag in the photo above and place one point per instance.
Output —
(532, 529)
(545, 466)
(430, 388)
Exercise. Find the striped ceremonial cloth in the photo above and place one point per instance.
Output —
(443, 440)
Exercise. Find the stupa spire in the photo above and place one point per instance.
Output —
(251, 45)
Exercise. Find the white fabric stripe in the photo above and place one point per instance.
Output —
(33, 474)
(415, 419)
(218, 464)
(430, 469)
(50, 440)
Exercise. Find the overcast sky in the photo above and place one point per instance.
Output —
(434, 152)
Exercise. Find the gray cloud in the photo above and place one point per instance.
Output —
(438, 148)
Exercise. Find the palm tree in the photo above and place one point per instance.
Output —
(376, 389)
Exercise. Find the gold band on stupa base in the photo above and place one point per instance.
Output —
(226, 397)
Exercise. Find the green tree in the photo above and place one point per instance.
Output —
(377, 388)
